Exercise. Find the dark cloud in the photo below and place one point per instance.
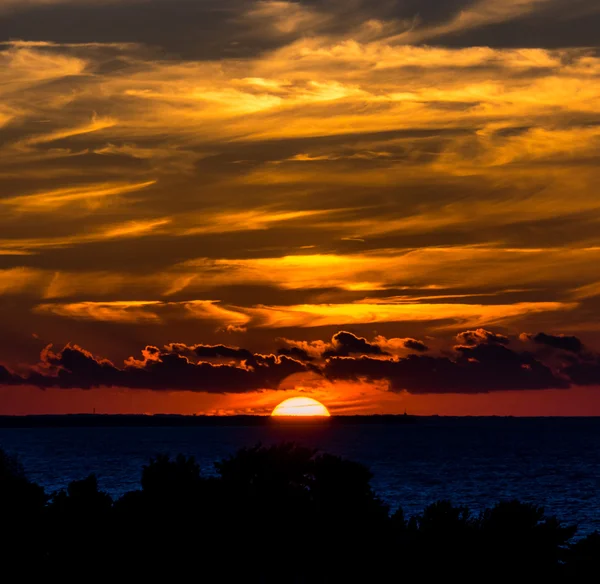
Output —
(74, 367)
(415, 345)
(203, 351)
(481, 364)
(295, 353)
(481, 336)
(8, 378)
(585, 372)
(565, 343)
(479, 369)
(316, 158)
(210, 351)
(550, 25)
(345, 344)
(189, 28)
(211, 29)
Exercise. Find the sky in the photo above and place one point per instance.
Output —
(209, 206)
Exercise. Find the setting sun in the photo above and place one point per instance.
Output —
(301, 406)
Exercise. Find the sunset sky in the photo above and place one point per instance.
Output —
(209, 206)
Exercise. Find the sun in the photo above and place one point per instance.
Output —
(301, 407)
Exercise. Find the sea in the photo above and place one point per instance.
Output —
(476, 462)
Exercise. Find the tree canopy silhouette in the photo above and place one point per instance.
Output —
(283, 513)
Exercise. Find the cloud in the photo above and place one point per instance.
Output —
(485, 365)
(130, 229)
(255, 219)
(478, 14)
(144, 311)
(562, 342)
(261, 25)
(214, 311)
(344, 344)
(115, 311)
(479, 337)
(316, 315)
(588, 291)
(299, 164)
(211, 351)
(441, 266)
(74, 367)
(400, 346)
(20, 280)
(479, 369)
(89, 195)
(301, 316)
(9, 378)
(584, 372)
(295, 353)
(6, 5)
(282, 18)
(481, 363)
(415, 345)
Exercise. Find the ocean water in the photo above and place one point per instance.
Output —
(554, 462)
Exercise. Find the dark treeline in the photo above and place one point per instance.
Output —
(272, 515)
(179, 420)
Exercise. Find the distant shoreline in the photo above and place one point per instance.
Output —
(176, 420)
(179, 420)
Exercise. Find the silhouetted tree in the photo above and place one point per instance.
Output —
(436, 542)
(164, 478)
(518, 538)
(286, 497)
(82, 500)
(583, 559)
(80, 522)
(274, 514)
(22, 505)
(17, 494)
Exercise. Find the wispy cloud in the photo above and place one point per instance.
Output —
(478, 14)
(310, 164)
(124, 312)
(153, 312)
(448, 267)
(301, 316)
(89, 195)
(353, 314)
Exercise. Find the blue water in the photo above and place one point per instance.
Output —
(471, 461)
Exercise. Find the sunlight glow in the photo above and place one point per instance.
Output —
(301, 406)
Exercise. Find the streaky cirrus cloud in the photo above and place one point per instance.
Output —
(221, 169)
(337, 314)
(90, 195)
(300, 316)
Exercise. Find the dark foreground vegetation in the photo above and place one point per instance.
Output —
(273, 515)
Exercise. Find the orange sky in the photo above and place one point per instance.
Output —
(264, 174)
(22, 401)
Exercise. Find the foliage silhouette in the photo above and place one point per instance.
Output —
(275, 514)
(22, 506)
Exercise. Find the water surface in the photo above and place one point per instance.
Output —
(554, 462)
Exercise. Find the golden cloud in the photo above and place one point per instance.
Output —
(301, 316)
(349, 314)
(450, 165)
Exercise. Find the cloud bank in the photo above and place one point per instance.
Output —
(482, 362)
(174, 170)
